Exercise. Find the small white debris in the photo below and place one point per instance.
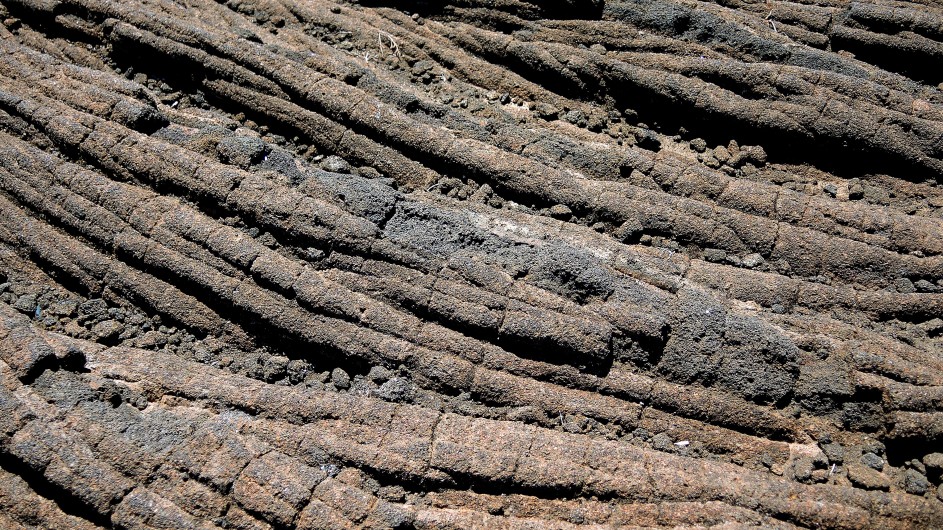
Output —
(683, 443)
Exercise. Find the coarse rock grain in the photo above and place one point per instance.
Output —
(283, 264)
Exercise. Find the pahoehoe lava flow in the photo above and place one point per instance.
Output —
(524, 264)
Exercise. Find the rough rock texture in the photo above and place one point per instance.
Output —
(297, 264)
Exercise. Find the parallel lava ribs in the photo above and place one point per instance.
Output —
(299, 264)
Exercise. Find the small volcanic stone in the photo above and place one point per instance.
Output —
(340, 379)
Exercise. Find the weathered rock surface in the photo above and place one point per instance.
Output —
(292, 264)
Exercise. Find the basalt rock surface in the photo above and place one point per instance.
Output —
(298, 264)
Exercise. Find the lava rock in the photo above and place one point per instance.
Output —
(873, 461)
(379, 374)
(802, 469)
(576, 117)
(904, 286)
(26, 304)
(297, 370)
(340, 379)
(834, 452)
(560, 211)
(647, 139)
(138, 116)
(934, 461)
(662, 442)
(335, 164)
(721, 154)
(275, 368)
(714, 255)
(915, 483)
(63, 308)
(242, 151)
(752, 261)
(397, 389)
(629, 231)
(108, 330)
(855, 190)
(865, 417)
(546, 111)
(867, 478)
